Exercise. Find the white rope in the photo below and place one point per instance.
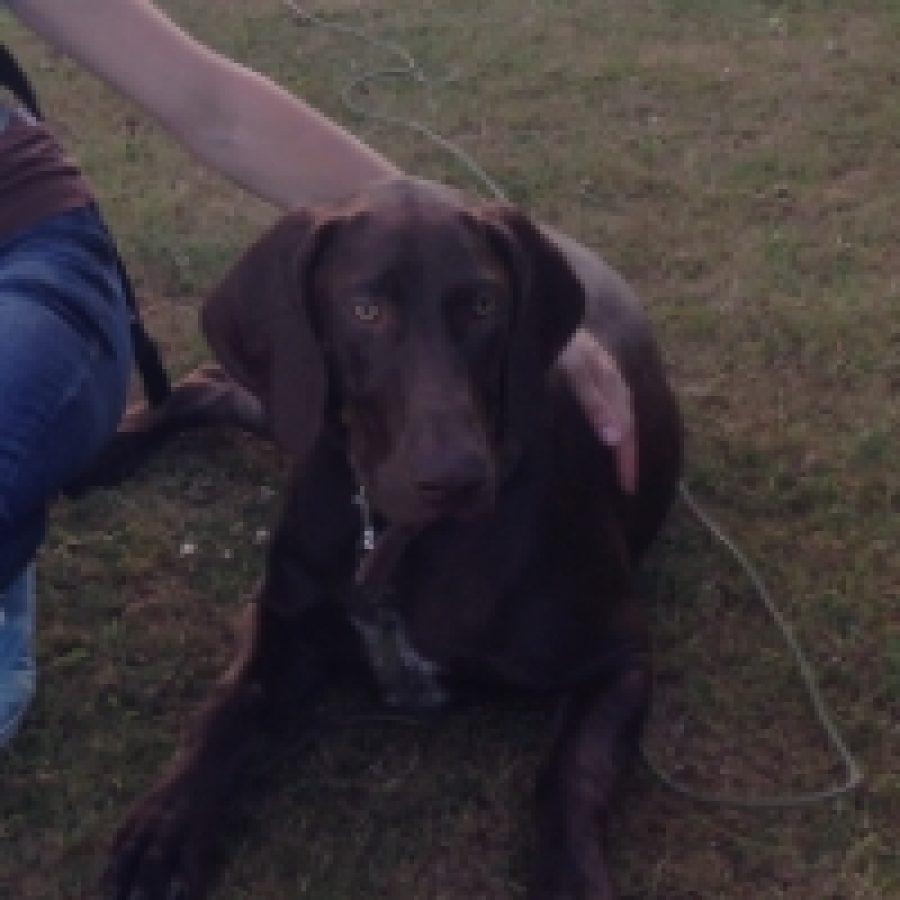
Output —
(807, 676)
(409, 69)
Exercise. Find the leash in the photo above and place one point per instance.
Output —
(14, 79)
(156, 382)
(408, 67)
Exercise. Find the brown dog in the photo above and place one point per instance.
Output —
(404, 343)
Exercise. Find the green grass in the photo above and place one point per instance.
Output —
(739, 162)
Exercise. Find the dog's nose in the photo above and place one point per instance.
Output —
(452, 477)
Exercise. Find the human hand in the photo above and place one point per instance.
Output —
(605, 399)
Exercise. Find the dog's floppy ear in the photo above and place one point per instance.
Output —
(258, 326)
(549, 307)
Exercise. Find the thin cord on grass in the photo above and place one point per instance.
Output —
(411, 69)
(807, 676)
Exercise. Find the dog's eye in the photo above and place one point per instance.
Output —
(484, 305)
(367, 311)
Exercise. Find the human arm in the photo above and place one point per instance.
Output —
(606, 400)
(232, 119)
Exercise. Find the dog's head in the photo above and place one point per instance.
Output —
(428, 325)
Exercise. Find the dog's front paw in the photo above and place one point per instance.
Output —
(572, 869)
(160, 850)
(571, 884)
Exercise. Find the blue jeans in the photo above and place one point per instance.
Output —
(18, 672)
(65, 358)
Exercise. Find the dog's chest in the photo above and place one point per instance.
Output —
(405, 678)
(434, 614)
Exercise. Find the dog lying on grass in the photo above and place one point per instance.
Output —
(451, 520)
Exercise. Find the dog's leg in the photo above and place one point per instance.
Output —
(207, 396)
(161, 850)
(597, 740)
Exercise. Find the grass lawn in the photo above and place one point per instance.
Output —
(739, 162)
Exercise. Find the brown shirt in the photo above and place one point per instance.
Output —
(37, 178)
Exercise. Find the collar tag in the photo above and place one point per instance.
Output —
(368, 523)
